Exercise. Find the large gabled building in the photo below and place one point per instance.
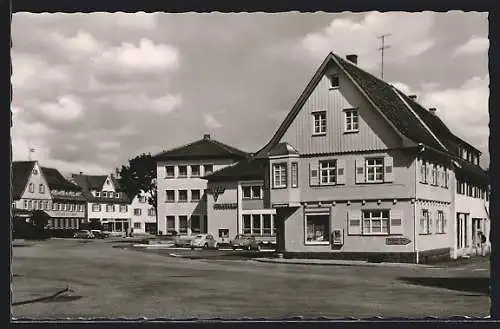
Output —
(358, 169)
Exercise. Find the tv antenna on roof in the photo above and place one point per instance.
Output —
(382, 49)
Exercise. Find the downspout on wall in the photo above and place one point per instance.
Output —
(415, 221)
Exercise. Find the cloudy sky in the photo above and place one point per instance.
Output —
(93, 90)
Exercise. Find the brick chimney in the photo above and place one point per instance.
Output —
(206, 136)
(432, 110)
(353, 58)
(413, 97)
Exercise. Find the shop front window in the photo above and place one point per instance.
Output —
(317, 228)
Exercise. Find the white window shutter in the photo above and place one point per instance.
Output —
(429, 174)
(420, 164)
(444, 221)
(360, 170)
(388, 169)
(341, 171)
(396, 221)
(313, 173)
(447, 178)
(354, 222)
(438, 178)
(431, 215)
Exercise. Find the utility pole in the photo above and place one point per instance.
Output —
(382, 48)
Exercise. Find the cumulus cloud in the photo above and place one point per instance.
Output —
(211, 122)
(128, 102)
(30, 71)
(410, 37)
(65, 108)
(475, 45)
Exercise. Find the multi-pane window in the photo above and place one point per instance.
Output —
(208, 169)
(110, 208)
(169, 171)
(256, 224)
(247, 192)
(440, 224)
(182, 171)
(137, 226)
(183, 195)
(319, 122)
(110, 194)
(151, 212)
(137, 211)
(279, 175)
(41, 188)
(294, 174)
(423, 172)
(195, 170)
(334, 81)
(123, 208)
(170, 195)
(195, 195)
(105, 194)
(317, 228)
(376, 222)
(183, 224)
(266, 224)
(425, 222)
(375, 170)
(170, 224)
(95, 207)
(434, 175)
(29, 204)
(247, 224)
(252, 192)
(327, 172)
(351, 120)
(142, 199)
(32, 188)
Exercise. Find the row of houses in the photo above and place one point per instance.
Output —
(71, 201)
(357, 168)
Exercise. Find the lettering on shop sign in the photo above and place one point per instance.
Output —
(65, 214)
(397, 241)
(224, 206)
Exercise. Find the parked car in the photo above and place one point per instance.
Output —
(206, 241)
(100, 234)
(183, 241)
(84, 234)
(245, 242)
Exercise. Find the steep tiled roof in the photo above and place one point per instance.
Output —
(96, 182)
(21, 171)
(247, 169)
(202, 149)
(57, 181)
(283, 149)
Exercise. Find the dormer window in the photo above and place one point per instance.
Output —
(117, 195)
(334, 81)
(319, 123)
(110, 194)
(105, 194)
(97, 194)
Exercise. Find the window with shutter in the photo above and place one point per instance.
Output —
(423, 172)
(439, 174)
(313, 174)
(388, 169)
(396, 226)
(428, 177)
(360, 170)
(354, 222)
(341, 171)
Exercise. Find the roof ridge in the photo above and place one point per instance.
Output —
(179, 147)
(229, 148)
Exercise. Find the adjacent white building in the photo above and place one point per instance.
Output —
(181, 190)
(143, 215)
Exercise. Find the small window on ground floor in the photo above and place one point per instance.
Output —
(170, 224)
(376, 222)
(247, 224)
(183, 224)
(137, 226)
(224, 233)
(317, 228)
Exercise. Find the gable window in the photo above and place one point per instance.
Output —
(375, 170)
(351, 120)
(117, 195)
(327, 172)
(105, 194)
(182, 171)
(41, 188)
(294, 174)
(97, 194)
(170, 196)
(195, 170)
(334, 81)
(142, 199)
(319, 123)
(425, 222)
(110, 194)
(279, 175)
(195, 195)
(208, 169)
(170, 171)
(32, 188)
(376, 222)
(137, 211)
(183, 195)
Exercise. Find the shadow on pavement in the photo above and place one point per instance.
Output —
(467, 284)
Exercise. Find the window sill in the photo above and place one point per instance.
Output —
(169, 177)
(376, 234)
(319, 135)
(424, 233)
(440, 233)
(351, 131)
(170, 201)
(182, 201)
(279, 187)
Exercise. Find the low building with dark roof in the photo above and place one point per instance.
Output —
(358, 169)
(181, 190)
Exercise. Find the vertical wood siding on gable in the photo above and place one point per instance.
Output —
(374, 133)
(36, 180)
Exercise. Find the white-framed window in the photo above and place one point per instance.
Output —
(376, 222)
(351, 120)
(334, 81)
(319, 123)
(32, 188)
(425, 222)
(151, 212)
(279, 175)
(294, 174)
(183, 195)
(208, 169)
(440, 222)
(182, 171)
(252, 192)
(110, 194)
(247, 224)
(258, 224)
(54, 206)
(195, 170)
(137, 211)
(137, 226)
(41, 188)
(183, 224)
(256, 227)
(110, 208)
(29, 204)
(434, 175)
(97, 194)
(423, 172)
(169, 171)
(96, 207)
(123, 208)
(25, 204)
(117, 195)
(317, 229)
(105, 194)
(170, 224)
(170, 196)
(80, 207)
(327, 172)
(374, 170)
(267, 227)
(142, 199)
(195, 195)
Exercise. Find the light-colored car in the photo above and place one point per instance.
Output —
(183, 240)
(206, 241)
(84, 234)
(245, 242)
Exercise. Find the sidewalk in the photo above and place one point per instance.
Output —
(336, 262)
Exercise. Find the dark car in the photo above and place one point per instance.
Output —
(245, 242)
(100, 234)
(84, 234)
